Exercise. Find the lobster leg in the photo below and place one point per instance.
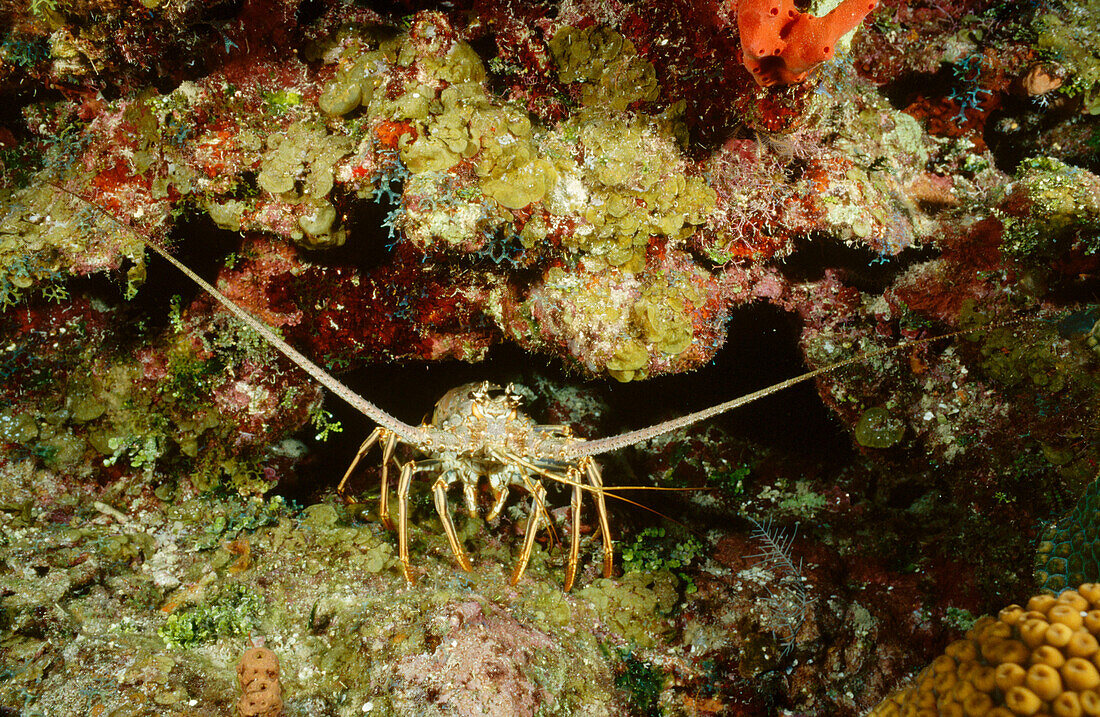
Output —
(439, 494)
(574, 536)
(366, 446)
(389, 442)
(534, 519)
(384, 496)
(501, 495)
(403, 519)
(592, 469)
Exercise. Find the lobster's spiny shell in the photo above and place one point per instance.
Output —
(481, 417)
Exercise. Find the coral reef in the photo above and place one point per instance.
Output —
(599, 203)
(1052, 211)
(1069, 39)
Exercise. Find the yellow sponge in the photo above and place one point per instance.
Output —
(1041, 661)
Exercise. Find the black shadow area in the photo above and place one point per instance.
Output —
(761, 350)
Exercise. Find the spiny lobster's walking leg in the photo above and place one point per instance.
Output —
(592, 470)
(498, 503)
(534, 522)
(389, 443)
(403, 520)
(574, 534)
(384, 496)
(439, 494)
(574, 476)
(363, 449)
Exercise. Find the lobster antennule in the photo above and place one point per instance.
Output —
(581, 449)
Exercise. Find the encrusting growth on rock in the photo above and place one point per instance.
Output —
(780, 44)
(258, 674)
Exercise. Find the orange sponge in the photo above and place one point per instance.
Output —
(1040, 660)
(258, 675)
(780, 44)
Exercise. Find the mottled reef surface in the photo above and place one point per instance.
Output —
(620, 210)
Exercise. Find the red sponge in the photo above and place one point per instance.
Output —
(781, 45)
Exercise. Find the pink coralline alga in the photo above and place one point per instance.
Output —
(780, 44)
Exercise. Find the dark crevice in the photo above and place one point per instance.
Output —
(204, 252)
(906, 88)
(761, 350)
(17, 98)
(395, 9)
(308, 12)
(1074, 290)
(857, 266)
(223, 11)
(1013, 130)
(368, 244)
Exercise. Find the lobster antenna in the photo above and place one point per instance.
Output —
(410, 434)
(581, 449)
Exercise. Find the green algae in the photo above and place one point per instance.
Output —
(225, 522)
(636, 606)
(449, 110)
(523, 185)
(620, 321)
(1010, 360)
(504, 138)
(428, 154)
(233, 612)
(1063, 207)
(877, 428)
(642, 681)
(1071, 38)
(662, 314)
(17, 426)
(45, 233)
(358, 76)
(629, 361)
(607, 64)
(298, 167)
(653, 550)
(637, 189)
